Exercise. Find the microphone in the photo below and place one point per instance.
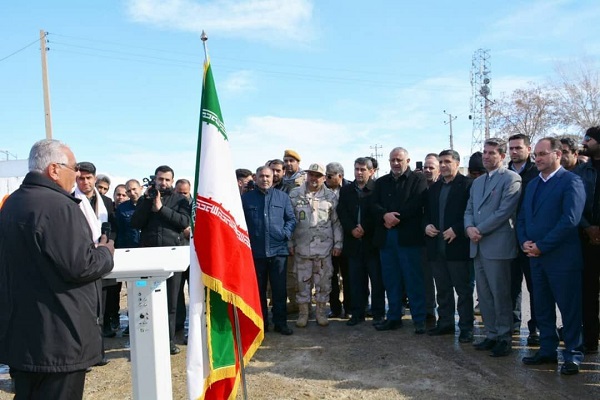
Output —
(105, 230)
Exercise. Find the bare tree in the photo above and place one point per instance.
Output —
(578, 91)
(531, 111)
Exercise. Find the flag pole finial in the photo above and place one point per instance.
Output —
(204, 38)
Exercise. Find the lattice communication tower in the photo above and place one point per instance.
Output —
(481, 91)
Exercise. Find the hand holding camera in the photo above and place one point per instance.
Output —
(152, 193)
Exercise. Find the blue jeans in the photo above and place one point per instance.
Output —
(272, 269)
(401, 269)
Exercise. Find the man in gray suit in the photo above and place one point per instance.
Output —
(489, 224)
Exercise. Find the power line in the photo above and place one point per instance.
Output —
(300, 75)
(20, 50)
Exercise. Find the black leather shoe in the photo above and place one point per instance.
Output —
(354, 321)
(377, 321)
(107, 332)
(441, 330)
(589, 350)
(533, 339)
(465, 337)
(102, 362)
(487, 344)
(389, 325)
(283, 329)
(174, 349)
(539, 359)
(502, 348)
(430, 321)
(569, 368)
(333, 314)
(420, 327)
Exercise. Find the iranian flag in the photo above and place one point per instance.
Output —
(222, 276)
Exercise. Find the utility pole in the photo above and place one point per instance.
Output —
(376, 156)
(450, 119)
(46, 86)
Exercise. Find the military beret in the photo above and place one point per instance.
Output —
(293, 154)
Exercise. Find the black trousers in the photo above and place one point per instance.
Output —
(173, 285)
(273, 270)
(590, 294)
(181, 310)
(340, 267)
(112, 302)
(42, 386)
(520, 268)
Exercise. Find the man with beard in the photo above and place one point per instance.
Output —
(519, 151)
(317, 237)
(570, 152)
(590, 235)
(294, 176)
(277, 166)
(102, 210)
(162, 215)
(363, 258)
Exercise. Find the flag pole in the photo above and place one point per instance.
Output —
(238, 334)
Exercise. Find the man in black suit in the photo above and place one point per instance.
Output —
(163, 215)
(519, 149)
(334, 180)
(105, 212)
(448, 247)
(363, 256)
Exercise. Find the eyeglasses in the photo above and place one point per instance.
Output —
(74, 169)
(330, 176)
(587, 138)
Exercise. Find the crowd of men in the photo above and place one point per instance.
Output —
(413, 237)
(417, 237)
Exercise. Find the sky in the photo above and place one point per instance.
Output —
(333, 80)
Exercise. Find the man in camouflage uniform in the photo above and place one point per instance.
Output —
(317, 237)
(293, 176)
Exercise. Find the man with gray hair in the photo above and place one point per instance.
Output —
(334, 180)
(398, 213)
(271, 222)
(50, 269)
(102, 184)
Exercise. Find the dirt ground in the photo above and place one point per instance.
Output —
(341, 362)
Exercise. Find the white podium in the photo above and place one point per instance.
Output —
(146, 270)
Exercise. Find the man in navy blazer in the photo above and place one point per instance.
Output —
(547, 233)
(489, 224)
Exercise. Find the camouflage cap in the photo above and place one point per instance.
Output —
(316, 168)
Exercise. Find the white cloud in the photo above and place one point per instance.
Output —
(239, 82)
(267, 20)
(544, 20)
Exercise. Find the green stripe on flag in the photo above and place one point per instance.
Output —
(221, 333)
(211, 110)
